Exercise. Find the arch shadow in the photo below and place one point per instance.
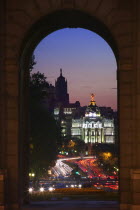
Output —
(43, 27)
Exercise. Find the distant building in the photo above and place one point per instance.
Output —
(62, 96)
(92, 124)
(56, 96)
(65, 114)
(107, 112)
(49, 98)
(93, 128)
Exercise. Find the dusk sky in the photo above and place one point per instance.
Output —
(87, 62)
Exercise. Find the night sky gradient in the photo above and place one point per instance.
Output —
(87, 61)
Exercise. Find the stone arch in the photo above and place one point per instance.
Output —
(54, 21)
(73, 19)
(121, 19)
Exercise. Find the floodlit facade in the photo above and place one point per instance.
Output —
(93, 128)
(64, 115)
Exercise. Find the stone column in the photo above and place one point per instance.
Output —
(135, 171)
(135, 189)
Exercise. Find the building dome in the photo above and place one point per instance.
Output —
(92, 110)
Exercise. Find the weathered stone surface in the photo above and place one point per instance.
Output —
(122, 19)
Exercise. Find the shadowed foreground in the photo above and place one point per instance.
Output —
(73, 205)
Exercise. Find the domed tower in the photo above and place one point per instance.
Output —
(62, 97)
(92, 109)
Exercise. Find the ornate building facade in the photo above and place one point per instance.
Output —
(93, 128)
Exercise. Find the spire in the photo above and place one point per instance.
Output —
(92, 97)
(60, 72)
(92, 111)
(92, 102)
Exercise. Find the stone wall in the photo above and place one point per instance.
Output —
(18, 21)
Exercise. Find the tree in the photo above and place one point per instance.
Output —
(44, 138)
(107, 156)
(44, 132)
(74, 147)
(80, 146)
(38, 80)
(32, 63)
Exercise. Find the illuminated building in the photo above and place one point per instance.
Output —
(65, 114)
(93, 128)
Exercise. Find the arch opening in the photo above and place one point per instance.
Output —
(49, 24)
(66, 19)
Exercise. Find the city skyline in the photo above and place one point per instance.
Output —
(87, 61)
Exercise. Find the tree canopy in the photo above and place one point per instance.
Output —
(44, 131)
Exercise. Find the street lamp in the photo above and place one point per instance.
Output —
(30, 190)
(41, 189)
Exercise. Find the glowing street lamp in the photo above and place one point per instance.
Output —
(31, 174)
(41, 189)
(30, 190)
(51, 189)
